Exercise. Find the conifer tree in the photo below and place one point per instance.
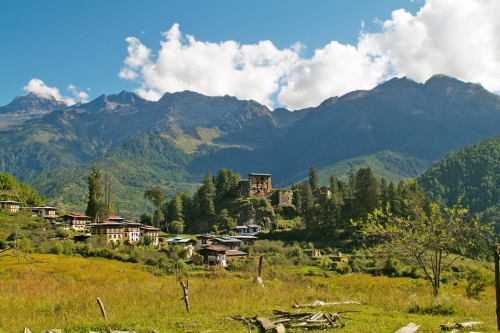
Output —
(95, 195)
(313, 178)
(206, 197)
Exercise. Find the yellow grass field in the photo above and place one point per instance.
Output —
(61, 292)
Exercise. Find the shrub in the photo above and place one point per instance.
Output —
(57, 248)
(477, 281)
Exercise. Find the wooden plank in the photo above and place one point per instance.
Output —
(266, 323)
(410, 328)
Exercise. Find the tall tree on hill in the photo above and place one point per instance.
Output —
(336, 194)
(366, 193)
(206, 197)
(94, 199)
(157, 197)
(225, 182)
(313, 178)
(307, 204)
(174, 209)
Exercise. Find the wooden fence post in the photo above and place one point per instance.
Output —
(185, 288)
(102, 308)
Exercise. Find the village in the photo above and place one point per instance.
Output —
(212, 249)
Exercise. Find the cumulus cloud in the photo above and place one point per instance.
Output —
(39, 87)
(244, 71)
(459, 38)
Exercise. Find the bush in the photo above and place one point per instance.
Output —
(478, 280)
(57, 248)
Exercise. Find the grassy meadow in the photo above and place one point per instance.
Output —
(57, 291)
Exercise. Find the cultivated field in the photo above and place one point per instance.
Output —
(61, 292)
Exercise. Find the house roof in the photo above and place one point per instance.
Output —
(106, 224)
(215, 249)
(227, 240)
(235, 253)
(10, 201)
(76, 215)
(260, 174)
(149, 228)
(115, 218)
(179, 240)
(246, 237)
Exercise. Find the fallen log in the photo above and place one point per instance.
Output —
(315, 304)
(469, 324)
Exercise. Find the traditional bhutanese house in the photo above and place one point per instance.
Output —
(152, 232)
(229, 242)
(131, 231)
(249, 229)
(47, 212)
(113, 231)
(184, 243)
(214, 255)
(76, 221)
(10, 206)
(246, 239)
(204, 240)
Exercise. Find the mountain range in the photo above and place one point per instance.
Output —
(400, 127)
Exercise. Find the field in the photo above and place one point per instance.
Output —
(61, 292)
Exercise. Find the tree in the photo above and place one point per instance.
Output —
(206, 197)
(157, 198)
(95, 195)
(307, 204)
(174, 209)
(313, 178)
(176, 227)
(366, 193)
(434, 241)
(146, 218)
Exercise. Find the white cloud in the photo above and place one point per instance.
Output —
(245, 71)
(459, 38)
(39, 87)
(79, 95)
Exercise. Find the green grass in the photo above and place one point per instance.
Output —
(61, 292)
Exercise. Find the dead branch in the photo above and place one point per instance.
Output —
(185, 288)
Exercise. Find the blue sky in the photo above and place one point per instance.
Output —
(281, 53)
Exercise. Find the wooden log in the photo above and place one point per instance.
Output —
(316, 316)
(410, 328)
(266, 324)
(315, 304)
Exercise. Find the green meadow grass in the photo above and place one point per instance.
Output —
(61, 292)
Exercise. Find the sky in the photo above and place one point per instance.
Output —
(280, 53)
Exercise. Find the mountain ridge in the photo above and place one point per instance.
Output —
(419, 120)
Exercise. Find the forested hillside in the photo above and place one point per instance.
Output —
(12, 189)
(471, 174)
